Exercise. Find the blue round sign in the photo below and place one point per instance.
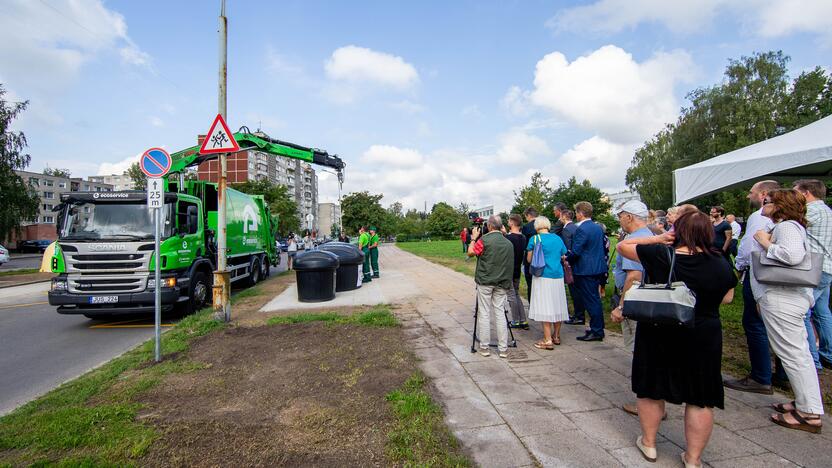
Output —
(155, 162)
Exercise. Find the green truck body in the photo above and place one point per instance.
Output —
(104, 256)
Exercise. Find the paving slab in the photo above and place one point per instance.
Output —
(667, 456)
(723, 444)
(536, 417)
(509, 391)
(570, 448)
(800, 447)
(469, 412)
(575, 398)
(494, 446)
(602, 381)
(610, 428)
(458, 386)
(768, 460)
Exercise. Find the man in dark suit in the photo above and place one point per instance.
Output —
(589, 268)
(568, 235)
(557, 227)
(528, 232)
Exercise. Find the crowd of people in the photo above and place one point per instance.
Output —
(570, 254)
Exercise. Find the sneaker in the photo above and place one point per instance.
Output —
(514, 324)
(750, 385)
(485, 352)
(503, 354)
(524, 325)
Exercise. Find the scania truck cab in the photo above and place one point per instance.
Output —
(104, 254)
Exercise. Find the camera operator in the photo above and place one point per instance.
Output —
(493, 275)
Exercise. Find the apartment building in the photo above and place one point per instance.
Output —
(299, 176)
(49, 189)
(330, 219)
(118, 181)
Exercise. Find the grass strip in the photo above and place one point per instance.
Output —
(63, 428)
(379, 316)
(419, 436)
(22, 271)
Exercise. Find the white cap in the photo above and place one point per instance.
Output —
(634, 207)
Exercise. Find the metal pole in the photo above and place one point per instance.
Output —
(158, 291)
(222, 306)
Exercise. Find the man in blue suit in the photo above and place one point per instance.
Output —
(589, 268)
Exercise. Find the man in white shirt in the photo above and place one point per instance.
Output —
(736, 230)
(759, 380)
(819, 232)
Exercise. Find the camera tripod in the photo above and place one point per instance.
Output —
(512, 343)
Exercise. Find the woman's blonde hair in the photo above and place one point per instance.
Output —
(542, 222)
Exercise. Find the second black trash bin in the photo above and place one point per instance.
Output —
(351, 259)
(316, 275)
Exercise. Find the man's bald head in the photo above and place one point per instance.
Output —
(759, 191)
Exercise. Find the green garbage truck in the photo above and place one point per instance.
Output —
(104, 255)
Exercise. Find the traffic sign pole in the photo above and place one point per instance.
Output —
(155, 163)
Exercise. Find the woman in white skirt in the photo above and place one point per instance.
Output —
(548, 302)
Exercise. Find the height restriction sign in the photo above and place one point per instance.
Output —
(219, 139)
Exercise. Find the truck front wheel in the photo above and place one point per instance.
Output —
(255, 272)
(197, 293)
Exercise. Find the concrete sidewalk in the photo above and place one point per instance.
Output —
(562, 407)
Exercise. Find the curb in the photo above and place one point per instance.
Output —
(25, 283)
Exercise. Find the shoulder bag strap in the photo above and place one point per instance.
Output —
(671, 254)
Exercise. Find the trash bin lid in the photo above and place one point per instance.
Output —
(348, 254)
(316, 260)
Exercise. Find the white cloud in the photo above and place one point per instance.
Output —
(408, 107)
(602, 162)
(764, 18)
(516, 101)
(608, 92)
(44, 44)
(473, 111)
(518, 147)
(392, 156)
(156, 121)
(279, 64)
(119, 167)
(354, 64)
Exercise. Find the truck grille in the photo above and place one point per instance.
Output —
(92, 271)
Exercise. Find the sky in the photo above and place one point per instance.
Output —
(425, 101)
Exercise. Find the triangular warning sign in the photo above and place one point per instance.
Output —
(219, 139)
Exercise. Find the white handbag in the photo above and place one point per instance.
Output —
(670, 303)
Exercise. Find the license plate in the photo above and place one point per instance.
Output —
(103, 299)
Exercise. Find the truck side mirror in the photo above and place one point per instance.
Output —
(193, 220)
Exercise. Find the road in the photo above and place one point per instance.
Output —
(40, 349)
(20, 261)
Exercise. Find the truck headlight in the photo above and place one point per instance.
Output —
(58, 285)
(166, 283)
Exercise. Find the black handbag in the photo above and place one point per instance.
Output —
(670, 303)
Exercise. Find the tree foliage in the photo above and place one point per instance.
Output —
(535, 195)
(18, 201)
(280, 201)
(363, 209)
(137, 176)
(57, 172)
(573, 192)
(755, 101)
(445, 221)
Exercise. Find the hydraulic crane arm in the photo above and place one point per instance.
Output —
(261, 142)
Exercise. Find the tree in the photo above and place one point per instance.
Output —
(754, 102)
(573, 192)
(280, 202)
(363, 209)
(56, 172)
(137, 176)
(18, 201)
(535, 195)
(444, 221)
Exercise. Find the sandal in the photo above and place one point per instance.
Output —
(802, 422)
(556, 341)
(781, 407)
(544, 345)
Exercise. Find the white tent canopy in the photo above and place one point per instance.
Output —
(802, 153)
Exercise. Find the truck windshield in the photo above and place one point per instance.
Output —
(113, 221)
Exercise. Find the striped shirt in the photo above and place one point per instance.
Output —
(819, 231)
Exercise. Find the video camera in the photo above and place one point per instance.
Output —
(477, 221)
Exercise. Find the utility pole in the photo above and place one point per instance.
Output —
(222, 279)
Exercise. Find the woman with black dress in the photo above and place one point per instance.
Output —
(678, 364)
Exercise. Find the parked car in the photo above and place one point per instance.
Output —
(37, 246)
(4, 255)
(282, 245)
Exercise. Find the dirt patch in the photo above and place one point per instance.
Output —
(23, 278)
(300, 395)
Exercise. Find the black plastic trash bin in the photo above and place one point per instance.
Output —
(316, 275)
(351, 259)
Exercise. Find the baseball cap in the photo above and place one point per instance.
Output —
(633, 207)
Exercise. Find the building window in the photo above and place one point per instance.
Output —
(34, 181)
(49, 219)
(86, 188)
(49, 195)
(48, 207)
(62, 184)
(48, 183)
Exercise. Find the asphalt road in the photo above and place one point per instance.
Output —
(20, 261)
(40, 349)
